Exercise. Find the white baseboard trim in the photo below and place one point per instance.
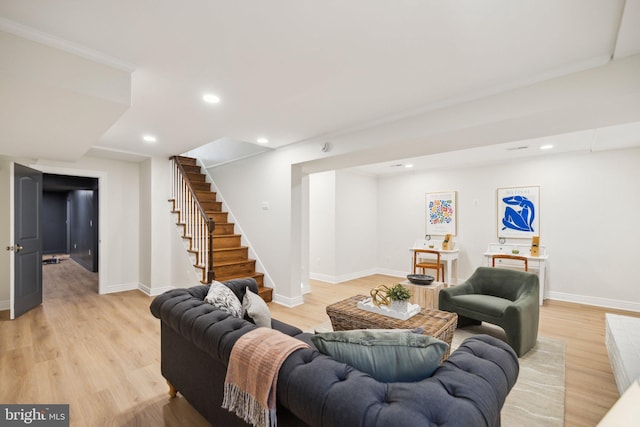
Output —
(133, 286)
(322, 277)
(288, 302)
(395, 273)
(152, 292)
(598, 302)
(111, 289)
(5, 305)
(344, 277)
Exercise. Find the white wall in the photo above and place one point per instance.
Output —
(247, 188)
(145, 233)
(598, 97)
(588, 211)
(342, 225)
(356, 225)
(588, 203)
(119, 232)
(322, 225)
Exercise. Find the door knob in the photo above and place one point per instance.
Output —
(19, 248)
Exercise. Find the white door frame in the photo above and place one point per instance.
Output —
(12, 239)
(102, 214)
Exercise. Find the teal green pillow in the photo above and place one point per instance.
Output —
(387, 356)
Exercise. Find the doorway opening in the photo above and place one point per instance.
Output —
(70, 218)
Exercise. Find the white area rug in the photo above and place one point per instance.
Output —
(537, 399)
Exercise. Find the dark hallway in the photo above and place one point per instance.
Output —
(70, 218)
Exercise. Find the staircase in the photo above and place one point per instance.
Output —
(230, 258)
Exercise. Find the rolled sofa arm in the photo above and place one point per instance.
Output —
(207, 327)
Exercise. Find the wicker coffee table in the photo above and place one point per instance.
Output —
(345, 315)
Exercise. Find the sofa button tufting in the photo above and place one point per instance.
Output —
(307, 376)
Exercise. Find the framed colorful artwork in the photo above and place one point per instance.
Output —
(518, 212)
(441, 213)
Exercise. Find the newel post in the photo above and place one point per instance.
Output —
(210, 273)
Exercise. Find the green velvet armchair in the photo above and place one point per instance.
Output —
(503, 297)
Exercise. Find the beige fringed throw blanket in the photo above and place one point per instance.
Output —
(250, 384)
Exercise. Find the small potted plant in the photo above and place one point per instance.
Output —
(399, 296)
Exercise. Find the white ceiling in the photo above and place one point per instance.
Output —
(600, 139)
(288, 70)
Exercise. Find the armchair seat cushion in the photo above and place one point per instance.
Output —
(485, 304)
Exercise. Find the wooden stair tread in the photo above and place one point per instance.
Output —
(183, 160)
(240, 276)
(229, 249)
(234, 263)
(265, 293)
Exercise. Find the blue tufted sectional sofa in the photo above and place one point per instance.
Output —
(313, 389)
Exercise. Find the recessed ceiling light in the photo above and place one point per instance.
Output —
(210, 98)
(546, 147)
(262, 140)
(408, 166)
(149, 138)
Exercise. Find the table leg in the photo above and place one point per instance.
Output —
(542, 276)
(456, 276)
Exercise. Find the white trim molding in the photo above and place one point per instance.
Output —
(37, 36)
(288, 302)
(598, 302)
(152, 292)
(112, 289)
(344, 277)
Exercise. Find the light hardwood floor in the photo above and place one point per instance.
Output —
(101, 353)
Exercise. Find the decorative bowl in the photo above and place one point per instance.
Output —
(420, 279)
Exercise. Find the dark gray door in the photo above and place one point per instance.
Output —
(28, 239)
